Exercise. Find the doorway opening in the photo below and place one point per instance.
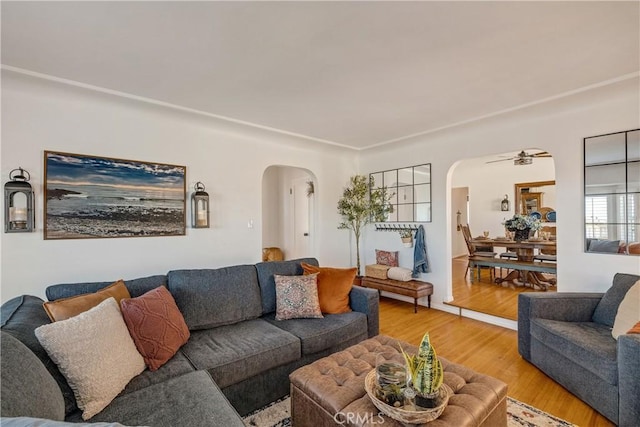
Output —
(479, 188)
(288, 211)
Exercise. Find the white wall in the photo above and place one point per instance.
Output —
(230, 159)
(272, 208)
(557, 127)
(458, 204)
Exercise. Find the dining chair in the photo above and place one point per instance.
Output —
(509, 254)
(547, 255)
(483, 251)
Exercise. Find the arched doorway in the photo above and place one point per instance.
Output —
(288, 210)
(477, 189)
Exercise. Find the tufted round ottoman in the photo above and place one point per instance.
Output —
(330, 391)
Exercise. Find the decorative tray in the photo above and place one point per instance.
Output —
(404, 415)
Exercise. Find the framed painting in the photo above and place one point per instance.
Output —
(100, 197)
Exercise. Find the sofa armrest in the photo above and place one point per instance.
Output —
(367, 301)
(628, 374)
(564, 306)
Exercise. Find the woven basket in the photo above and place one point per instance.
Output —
(400, 414)
(376, 271)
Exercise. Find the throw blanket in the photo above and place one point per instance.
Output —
(399, 273)
(420, 262)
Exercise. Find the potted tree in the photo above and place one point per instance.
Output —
(360, 205)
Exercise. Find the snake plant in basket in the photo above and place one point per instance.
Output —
(426, 373)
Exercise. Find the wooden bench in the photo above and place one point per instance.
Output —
(541, 267)
(413, 288)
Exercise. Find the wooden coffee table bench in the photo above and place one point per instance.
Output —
(330, 391)
(413, 288)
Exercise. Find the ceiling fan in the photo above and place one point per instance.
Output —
(523, 158)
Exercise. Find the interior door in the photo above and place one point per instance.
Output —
(301, 219)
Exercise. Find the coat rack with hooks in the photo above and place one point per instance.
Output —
(395, 227)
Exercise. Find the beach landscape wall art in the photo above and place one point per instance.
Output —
(100, 197)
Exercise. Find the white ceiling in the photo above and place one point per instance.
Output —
(356, 74)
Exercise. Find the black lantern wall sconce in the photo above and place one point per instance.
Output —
(19, 213)
(200, 207)
(504, 204)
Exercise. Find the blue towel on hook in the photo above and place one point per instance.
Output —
(420, 262)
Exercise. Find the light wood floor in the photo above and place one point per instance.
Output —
(485, 296)
(489, 349)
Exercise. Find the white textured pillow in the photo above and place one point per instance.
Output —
(95, 353)
(628, 311)
(399, 273)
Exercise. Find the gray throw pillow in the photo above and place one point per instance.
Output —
(605, 312)
(606, 246)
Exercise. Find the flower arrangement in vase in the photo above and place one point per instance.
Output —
(522, 226)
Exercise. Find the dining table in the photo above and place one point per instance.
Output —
(525, 252)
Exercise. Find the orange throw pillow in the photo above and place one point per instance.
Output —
(156, 325)
(334, 285)
(65, 308)
(635, 329)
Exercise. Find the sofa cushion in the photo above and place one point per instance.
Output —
(20, 317)
(236, 352)
(266, 270)
(65, 308)
(176, 366)
(41, 422)
(297, 297)
(95, 353)
(628, 311)
(587, 344)
(320, 334)
(189, 400)
(210, 298)
(334, 286)
(607, 308)
(136, 287)
(28, 389)
(156, 326)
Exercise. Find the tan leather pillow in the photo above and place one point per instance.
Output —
(68, 307)
(334, 285)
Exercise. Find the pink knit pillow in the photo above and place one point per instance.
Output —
(156, 326)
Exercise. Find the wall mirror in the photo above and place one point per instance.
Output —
(529, 196)
(612, 193)
(410, 191)
(531, 202)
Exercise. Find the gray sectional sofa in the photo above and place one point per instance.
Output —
(568, 336)
(237, 359)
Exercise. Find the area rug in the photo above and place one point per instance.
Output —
(518, 415)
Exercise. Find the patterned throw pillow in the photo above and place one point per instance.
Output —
(156, 326)
(297, 297)
(334, 286)
(95, 353)
(387, 258)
